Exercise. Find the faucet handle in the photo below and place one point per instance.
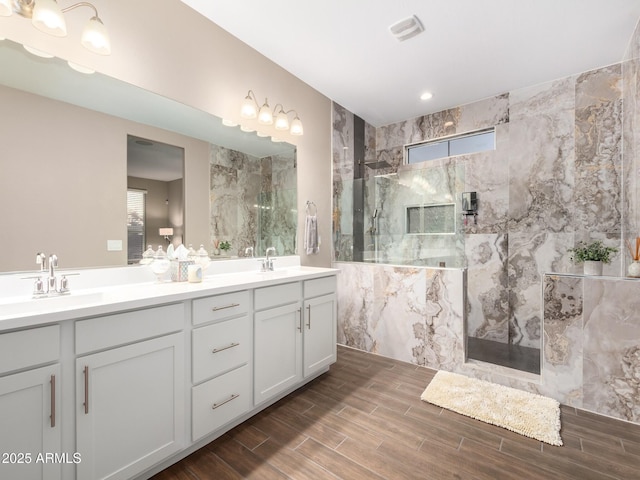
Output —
(38, 288)
(263, 264)
(41, 259)
(248, 250)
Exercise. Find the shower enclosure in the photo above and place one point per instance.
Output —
(404, 216)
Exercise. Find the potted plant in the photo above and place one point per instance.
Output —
(225, 246)
(593, 255)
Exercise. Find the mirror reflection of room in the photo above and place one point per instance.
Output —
(155, 199)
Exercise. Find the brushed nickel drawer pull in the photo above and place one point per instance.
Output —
(309, 324)
(53, 401)
(299, 319)
(86, 389)
(216, 350)
(232, 397)
(231, 305)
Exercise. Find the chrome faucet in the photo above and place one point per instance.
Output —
(270, 260)
(52, 282)
(247, 251)
(51, 287)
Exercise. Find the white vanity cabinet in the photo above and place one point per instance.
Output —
(30, 403)
(221, 361)
(295, 334)
(130, 392)
(320, 324)
(278, 340)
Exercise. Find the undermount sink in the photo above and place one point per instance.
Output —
(273, 273)
(47, 304)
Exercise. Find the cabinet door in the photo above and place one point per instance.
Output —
(130, 407)
(29, 427)
(319, 333)
(278, 351)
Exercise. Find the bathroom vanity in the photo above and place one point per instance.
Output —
(120, 381)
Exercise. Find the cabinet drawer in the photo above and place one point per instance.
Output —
(220, 401)
(113, 330)
(319, 286)
(220, 307)
(27, 348)
(276, 295)
(220, 347)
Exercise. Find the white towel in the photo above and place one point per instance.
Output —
(311, 238)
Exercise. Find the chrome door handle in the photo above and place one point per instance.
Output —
(299, 319)
(309, 324)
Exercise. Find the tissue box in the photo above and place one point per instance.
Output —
(180, 270)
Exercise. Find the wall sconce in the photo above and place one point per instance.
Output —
(250, 109)
(47, 16)
(167, 233)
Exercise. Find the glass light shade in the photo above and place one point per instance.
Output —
(5, 8)
(36, 52)
(81, 68)
(282, 122)
(95, 37)
(47, 17)
(296, 127)
(248, 109)
(265, 117)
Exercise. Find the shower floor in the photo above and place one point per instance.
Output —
(526, 359)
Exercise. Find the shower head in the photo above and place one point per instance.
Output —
(378, 165)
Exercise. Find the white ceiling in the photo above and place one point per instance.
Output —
(470, 49)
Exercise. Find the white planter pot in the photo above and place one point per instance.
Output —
(634, 269)
(592, 268)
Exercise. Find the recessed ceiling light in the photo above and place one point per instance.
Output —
(426, 96)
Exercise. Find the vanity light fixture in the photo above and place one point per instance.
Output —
(265, 115)
(47, 16)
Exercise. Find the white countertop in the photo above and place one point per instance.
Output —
(22, 311)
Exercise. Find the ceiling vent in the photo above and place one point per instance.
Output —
(406, 28)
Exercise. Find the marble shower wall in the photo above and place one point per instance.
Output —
(253, 201)
(592, 344)
(409, 313)
(554, 178)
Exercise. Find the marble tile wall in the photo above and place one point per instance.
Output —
(592, 344)
(408, 313)
(554, 178)
(252, 201)
(564, 170)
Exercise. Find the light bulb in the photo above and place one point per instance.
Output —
(95, 37)
(5, 8)
(248, 109)
(47, 17)
(282, 122)
(296, 127)
(265, 117)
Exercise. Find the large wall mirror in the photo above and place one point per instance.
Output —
(66, 139)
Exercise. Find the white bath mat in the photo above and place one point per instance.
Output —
(522, 412)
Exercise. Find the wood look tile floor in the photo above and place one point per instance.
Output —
(364, 420)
